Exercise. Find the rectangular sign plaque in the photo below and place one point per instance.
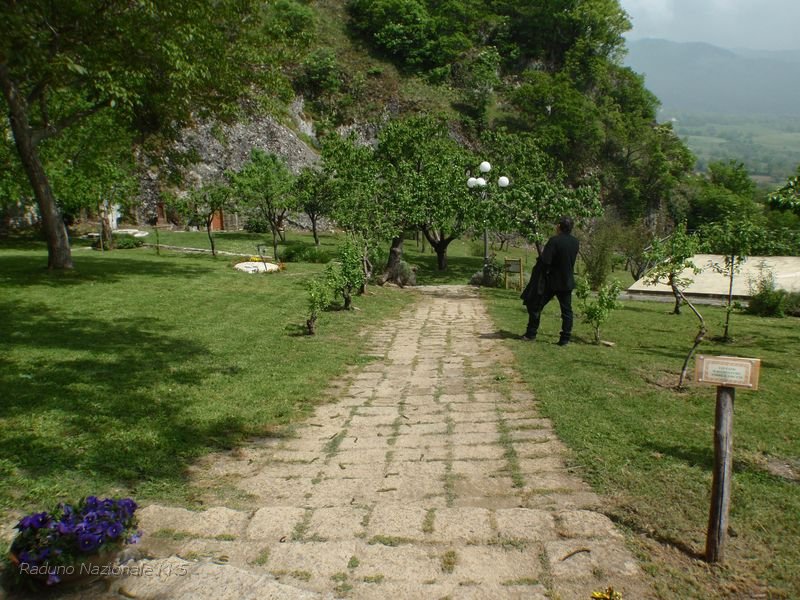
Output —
(730, 371)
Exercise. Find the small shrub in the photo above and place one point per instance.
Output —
(406, 274)
(307, 254)
(475, 248)
(121, 242)
(351, 262)
(765, 300)
(124, 242)
(493, 276)
(596, 313)
(257, 224)
(320, 74)
(402, 274)
(320, 297)
(793, 304)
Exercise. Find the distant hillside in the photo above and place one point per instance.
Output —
(701, 78)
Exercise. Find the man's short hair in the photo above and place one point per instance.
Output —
(565, 224)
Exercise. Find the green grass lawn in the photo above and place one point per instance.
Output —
(465, 257)
(116, 376)
(649, 449)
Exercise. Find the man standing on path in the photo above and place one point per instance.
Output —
(553, 275)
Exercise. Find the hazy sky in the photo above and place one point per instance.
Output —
(757, 24)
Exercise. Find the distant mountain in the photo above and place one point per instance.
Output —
(701, 78)
(792, 56)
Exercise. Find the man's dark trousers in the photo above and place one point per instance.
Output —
(536, 306)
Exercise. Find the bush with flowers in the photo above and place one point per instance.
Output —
(49, 543)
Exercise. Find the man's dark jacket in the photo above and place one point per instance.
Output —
(554, 269)
(558, 260)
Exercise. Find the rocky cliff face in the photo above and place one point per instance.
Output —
(223, 147)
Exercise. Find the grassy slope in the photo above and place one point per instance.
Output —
(117, 376)
(385, 89)
(649, 449)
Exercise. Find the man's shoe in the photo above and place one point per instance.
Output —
(562, 342)
(527, 338)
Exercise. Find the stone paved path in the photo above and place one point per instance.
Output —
(433, 476)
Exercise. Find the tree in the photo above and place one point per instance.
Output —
(92, 170)
(477, 75)
(788, 196)
(200, 205)
(726, 193)
(347, 276)
(733, 176)
(264, 185)
(314, 194)
(634, 246)
(566, 121)
(424, 186)
(671, 258)
(156, 63)
(355, 180)
(599, 242)
(550, 30)
(403, 29)
(538, 194)
(735, 238)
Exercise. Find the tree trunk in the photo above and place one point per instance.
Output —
(209, 222)
(274, 243)
(314, 228)
(59, 255)
(701, 334)
(441, 257)
(729, 307)
(311, 324)
(366, 264)
(439, 244)
(677, 293)
(395, 253)
(106, 237)
(279, 224)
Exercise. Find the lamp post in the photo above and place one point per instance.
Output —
(480, 183)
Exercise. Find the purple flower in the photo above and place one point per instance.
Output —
(114, 530)
(88, 542)
(134, 538)
(34, 521)
(64, 528)
(74, 530)
(126, 507)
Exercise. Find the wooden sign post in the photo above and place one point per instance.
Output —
(513, 266)
(727, 373)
